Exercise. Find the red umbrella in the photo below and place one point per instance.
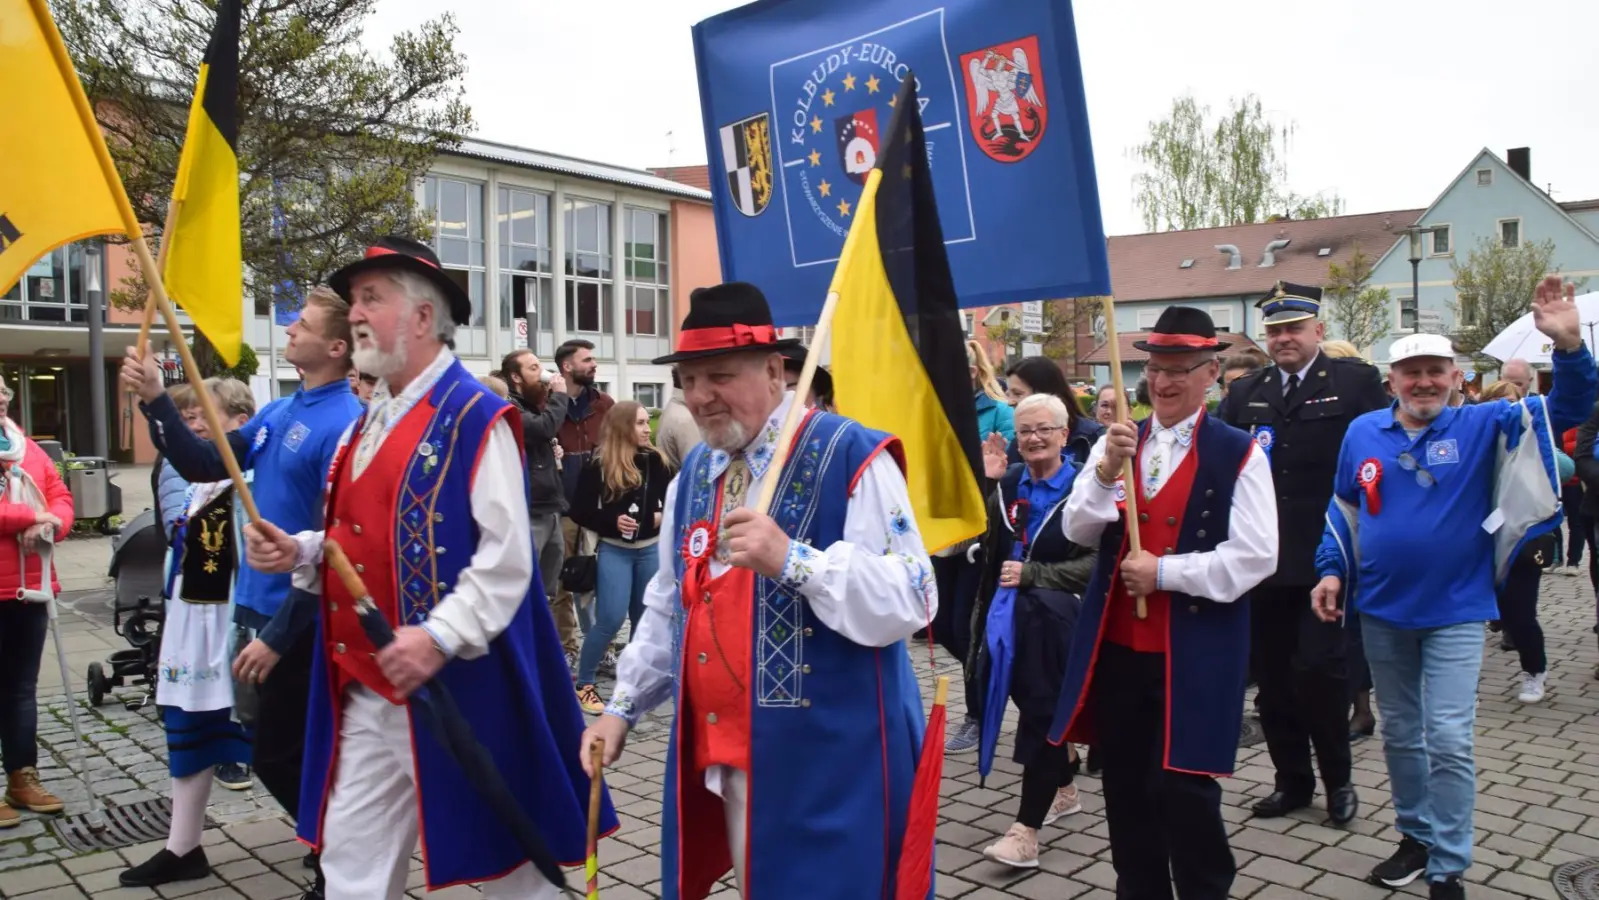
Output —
(915, 876)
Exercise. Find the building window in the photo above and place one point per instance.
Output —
(1146, 318)
(588, 266)
(648, 395)
(1485, 177)
(1510, 232)
(1469, 310)
(1222, 316)
(648, 303)
(523, 219)
(53, 289)
(1408, 318)
(1440, 241)
(457, 209)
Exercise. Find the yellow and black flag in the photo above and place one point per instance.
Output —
(204, 262)
(899, 354)
(54, 186)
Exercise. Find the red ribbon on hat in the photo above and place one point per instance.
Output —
(1369, 477)
(384, 251)
(1194, 341)
(694, 340)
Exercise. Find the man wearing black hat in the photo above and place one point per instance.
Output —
(427, 496)
(1298, 409)
(1160, 695)
(779, 634)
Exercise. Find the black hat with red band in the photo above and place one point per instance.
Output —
(728, 318)
(394, 252)
(1182, 329)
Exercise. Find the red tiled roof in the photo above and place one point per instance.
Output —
(1148, 266)
(693, 176)
(1124, 339)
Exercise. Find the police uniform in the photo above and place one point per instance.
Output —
(1299, 419)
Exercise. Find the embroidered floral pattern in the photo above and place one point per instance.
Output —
(802, 564)
(185, 675)
(623, 706)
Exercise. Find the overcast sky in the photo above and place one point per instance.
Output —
(1389, 100)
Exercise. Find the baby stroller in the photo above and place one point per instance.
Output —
(138, 556)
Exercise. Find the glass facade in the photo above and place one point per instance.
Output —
(457, 208)
(53, 290)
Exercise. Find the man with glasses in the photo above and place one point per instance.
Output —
(1430, 505)
(1161, 696)
(1298, 409)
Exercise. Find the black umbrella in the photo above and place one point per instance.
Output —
(433, 703)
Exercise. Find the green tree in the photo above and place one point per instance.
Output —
(1359, 313)
(1494, 287)
(1199, 174)
(331, 136)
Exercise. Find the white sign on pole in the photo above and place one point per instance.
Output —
(1033, 317)
(521, 334)
(1033, 307)
(1429, 321)
(1032, 348)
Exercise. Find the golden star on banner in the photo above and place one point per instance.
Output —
(815, 157)
(843, 207)
(892, 102)
(825, 188)
(827, 97)
(871, 84)
(816, 124)
(849, 82)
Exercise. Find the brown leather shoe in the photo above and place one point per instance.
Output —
(9, 818)
(23, 789)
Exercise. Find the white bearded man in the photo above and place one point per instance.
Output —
(428, 498)
(781, 637)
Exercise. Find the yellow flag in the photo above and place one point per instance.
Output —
(204, 262)
(53, 184)
(899, 354)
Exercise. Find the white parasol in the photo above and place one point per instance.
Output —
(1523, 341)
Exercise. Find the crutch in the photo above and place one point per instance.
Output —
(46, 595)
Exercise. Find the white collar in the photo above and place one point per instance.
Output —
(1301, 370)
(1183, 431)
(391, 408)
(759, 451)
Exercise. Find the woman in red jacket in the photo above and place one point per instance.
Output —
(33, 503)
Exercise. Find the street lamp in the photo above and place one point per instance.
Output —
(95, 296)
(1416, 233)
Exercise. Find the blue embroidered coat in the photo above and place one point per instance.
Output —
(518, 697)
(835, 727)
(1207, 664)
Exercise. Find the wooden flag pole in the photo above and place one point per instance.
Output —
(1129, 479)
(149, 307)
(796, 410)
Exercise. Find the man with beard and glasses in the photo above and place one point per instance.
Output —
(289, 446)
(427, 497)
(1297, 410)
(1431, 504)
(796, 777)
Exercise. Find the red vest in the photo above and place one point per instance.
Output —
(716, 659)
(361, 517)
(1160, 521)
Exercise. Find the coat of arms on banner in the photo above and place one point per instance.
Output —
(1005, 98)
(747, 163)
(857, 143)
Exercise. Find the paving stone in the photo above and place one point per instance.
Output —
(1279, 871)
(272, 886)
(64, 892)
(1521, 884)
(189, 888)
(37, 878)
(94, 862)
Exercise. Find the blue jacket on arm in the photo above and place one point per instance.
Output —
(1478, 482)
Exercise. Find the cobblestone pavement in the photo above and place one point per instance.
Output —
(1537, 802)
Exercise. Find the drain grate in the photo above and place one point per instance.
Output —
(116, 826)
(1578, 880)
(1250, 733)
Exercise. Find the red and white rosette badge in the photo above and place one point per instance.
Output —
(1369, 478)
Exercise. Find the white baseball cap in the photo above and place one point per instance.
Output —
(1412, 346)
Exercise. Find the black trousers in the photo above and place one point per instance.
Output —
(1300, 667)
(957, 582)
(280, 724)
(22, 632)
(1159, 820)
(1518, 615)
(1050, 770)
(1577, 531)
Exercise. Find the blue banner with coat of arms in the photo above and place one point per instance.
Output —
(796, 94)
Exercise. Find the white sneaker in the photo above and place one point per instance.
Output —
(1066, 803)
(1531, 687)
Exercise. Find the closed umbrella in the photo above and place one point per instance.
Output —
(1001, 640)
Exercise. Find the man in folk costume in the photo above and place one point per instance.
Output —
(1161, 697)
(428, 498)
(780, 636)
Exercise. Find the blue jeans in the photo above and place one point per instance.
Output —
(618, 594)
(1426, 685)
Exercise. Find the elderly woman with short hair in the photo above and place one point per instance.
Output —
(1026, 550)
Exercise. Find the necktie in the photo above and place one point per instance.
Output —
(1157, 467)
(1293, 388)
(735, 487)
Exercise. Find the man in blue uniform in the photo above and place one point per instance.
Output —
(1430, 505)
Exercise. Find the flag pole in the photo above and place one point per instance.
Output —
(149, 307)
(1129, 480)
(141, 250)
